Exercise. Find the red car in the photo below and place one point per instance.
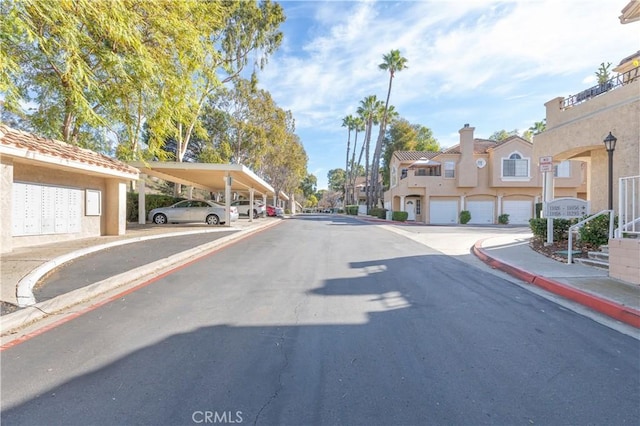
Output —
(275, 211)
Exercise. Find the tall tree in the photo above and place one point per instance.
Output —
(370, 110)
(353, 169)
(404, 136)
(501, 135)
(308, 185)
(349, 123)
(392, 62)
(336, 179)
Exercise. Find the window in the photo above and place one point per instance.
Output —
(418, 206)
(515, 166)
(562, 170)
(403, 174)
(449, 169)
(394, 176)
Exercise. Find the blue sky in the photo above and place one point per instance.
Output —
(490, 64)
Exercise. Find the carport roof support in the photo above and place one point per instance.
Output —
(207, 176)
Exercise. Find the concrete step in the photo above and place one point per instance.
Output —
(599, 255)
(594, 263)
(604, 249)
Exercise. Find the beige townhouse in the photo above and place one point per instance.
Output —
(485, 177)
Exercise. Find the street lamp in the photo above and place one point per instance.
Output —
(610, 146)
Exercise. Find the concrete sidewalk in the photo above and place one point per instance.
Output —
(503, 248)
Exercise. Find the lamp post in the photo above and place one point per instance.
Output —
(610, 146)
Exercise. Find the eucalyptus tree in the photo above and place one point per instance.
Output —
(370, 110)
(250, 28)
(285, 164)
(393, 62)
(69, 56)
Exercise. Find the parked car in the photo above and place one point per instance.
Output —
(274, 211)
(205, 211)
(244, 208)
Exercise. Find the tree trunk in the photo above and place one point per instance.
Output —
(383, 125)
(346, 171)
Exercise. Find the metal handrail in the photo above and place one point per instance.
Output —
(572, 228)
(612, 83)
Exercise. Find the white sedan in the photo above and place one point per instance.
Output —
(205, 211)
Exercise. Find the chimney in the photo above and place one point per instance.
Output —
(466, 142)
(467, 173)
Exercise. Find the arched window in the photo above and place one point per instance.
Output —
(515, 166)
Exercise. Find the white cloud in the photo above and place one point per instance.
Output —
(468, 60)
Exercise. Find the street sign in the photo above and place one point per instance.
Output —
(566, 208)
(546, 160)
(546, 167)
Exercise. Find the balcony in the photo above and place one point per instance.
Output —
(612, 84)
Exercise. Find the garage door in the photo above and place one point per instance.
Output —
(443, 211)
(481, 211)
(519, 211)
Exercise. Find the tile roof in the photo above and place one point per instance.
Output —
(414, 155)
(480, 146)
(27, 141)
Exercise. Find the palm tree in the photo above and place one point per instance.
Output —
(370, 110)
(392, 62)
(538, 127)
(358, 126)
(349, 123)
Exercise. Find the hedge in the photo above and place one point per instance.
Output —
(152, 201)
(465, 217)
(352, 210)
(399, 216)
(378, 212)
(560, 228)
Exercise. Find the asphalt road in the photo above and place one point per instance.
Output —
(325, 320)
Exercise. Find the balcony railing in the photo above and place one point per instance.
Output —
(629, 207)
(611, 84)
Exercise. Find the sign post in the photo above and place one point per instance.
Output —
(546, 167)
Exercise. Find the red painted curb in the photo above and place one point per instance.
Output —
(614, 310)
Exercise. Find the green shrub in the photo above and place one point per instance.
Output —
(596, 231)
(399, 216)
(503, 219)
(378, 212)
(352, 210)
(152, 201)
(465, 217)
(560, 228)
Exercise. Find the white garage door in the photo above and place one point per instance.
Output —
(443, 211)
(481, 211)
(519, 211)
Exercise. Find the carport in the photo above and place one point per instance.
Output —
(207, 176)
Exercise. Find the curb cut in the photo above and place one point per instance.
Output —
(612, 309)
(38, 311)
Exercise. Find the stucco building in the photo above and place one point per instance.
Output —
(485, 177)
(52, 191)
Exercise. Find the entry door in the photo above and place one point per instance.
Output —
(410, 208)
